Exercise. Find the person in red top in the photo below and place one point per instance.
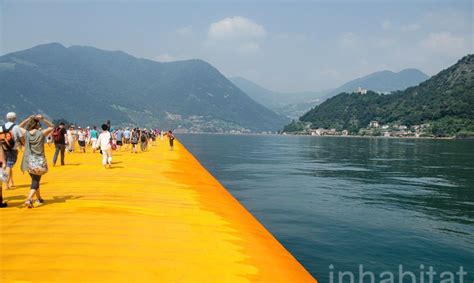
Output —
(60, 141)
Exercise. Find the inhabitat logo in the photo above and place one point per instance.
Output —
(423, 275)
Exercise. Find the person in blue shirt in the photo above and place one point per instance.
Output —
(126, 138)
(119, 138)
(94, 135)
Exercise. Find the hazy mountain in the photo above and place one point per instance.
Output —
(292, 104)
(89, 85)
(445, 101)
(384, 81)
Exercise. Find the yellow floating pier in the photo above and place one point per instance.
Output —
(157, 216)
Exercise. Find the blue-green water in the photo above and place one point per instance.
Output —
(351, 201)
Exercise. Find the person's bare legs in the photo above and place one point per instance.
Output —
(2, 204)
(9, 183)
(109, 157)
(38, 195)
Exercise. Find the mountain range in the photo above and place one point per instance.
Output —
(445, 102)
(88, 85)
(294, 105)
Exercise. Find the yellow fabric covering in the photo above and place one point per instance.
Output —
(157, 216)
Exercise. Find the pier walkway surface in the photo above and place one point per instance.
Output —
(157, 216)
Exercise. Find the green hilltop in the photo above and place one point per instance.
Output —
(445, 102)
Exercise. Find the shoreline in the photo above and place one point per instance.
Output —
(329, 136)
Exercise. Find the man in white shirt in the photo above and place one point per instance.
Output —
(11, 154)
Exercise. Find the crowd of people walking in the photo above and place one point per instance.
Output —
(34, 132)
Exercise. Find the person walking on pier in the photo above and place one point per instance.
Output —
(87, 132)
(171, 138)
(143, 140)
(34, 159)
(119, 138)
(94, 136)
(59, 137)
(71, 138)
(135, 137)
(104, 142)
(81, 140)
(11, 142)
(3, 175)
(126, 138)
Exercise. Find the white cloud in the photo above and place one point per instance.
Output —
(165, 57)
(235, 34)
(185, 31)
(444, 42)
(236, 28)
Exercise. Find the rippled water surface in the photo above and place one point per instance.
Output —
(351, 201)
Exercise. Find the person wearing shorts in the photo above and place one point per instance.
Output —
(119, 138)
(11, 155)
(81, 140)
(135, 137)
(126, 138)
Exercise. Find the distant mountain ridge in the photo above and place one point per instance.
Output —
(384, 81)
(273, 99)
(293, 105)
(89, 85)
(445, 102)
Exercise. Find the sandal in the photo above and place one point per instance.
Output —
(29, 203)
(40, 201)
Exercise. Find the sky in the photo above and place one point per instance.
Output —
(282, 45)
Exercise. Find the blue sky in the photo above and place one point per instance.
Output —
(282, 45)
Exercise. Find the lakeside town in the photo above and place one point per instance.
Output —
(373, 129)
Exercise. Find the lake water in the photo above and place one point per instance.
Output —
(337, 203)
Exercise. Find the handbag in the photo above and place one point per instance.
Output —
(37, 164)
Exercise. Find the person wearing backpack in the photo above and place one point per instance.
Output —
(135, 136)
(59, 137)
(34, 159)
(143, 140)
(11, 139)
